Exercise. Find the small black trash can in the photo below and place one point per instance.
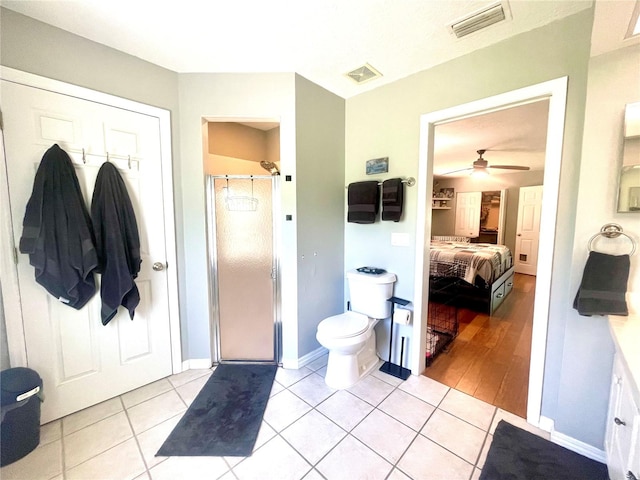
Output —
(20, 404)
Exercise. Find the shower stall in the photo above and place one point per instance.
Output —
(243, 267)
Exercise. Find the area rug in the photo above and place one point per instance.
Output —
(516, 454)
(225, 417)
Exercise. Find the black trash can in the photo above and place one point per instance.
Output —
(20, 404)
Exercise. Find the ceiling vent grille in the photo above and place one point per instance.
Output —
(478, 21)
(363, 74)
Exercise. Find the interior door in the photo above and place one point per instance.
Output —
(245, 268)
(528, 229)
(468, 214)
(81, 361)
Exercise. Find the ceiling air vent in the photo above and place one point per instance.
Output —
(363, 74)
(479, 20)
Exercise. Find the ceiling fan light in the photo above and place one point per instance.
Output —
(479, 173)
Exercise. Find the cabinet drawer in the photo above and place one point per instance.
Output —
(498, 297)
(508, 285)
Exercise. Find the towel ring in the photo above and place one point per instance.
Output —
(612, 230)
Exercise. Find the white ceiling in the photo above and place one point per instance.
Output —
(319, 39)
(324, 39)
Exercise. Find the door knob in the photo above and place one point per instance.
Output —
(519, 234)
(158, 266)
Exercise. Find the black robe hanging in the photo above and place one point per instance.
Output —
(57, 232)
(117, 242)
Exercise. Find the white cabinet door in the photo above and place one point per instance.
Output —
(622, 441)
(81, 361)
(468, 214)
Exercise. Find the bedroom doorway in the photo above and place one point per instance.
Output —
(555, 92)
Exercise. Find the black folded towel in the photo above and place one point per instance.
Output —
(604, 284)
(392, 199)
(362, 200)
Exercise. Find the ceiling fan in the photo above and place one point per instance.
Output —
(481, 166)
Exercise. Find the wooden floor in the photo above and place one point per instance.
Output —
(489, 359)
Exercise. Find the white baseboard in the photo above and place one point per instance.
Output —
(296, 363)
(196, 364)
(577, 446)
(546, 424)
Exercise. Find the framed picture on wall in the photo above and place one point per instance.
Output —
(377, 165)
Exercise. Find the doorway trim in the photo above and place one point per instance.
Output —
(8, 273)
(556, 92)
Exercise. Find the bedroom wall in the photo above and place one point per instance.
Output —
(385, 122)
(444, 220)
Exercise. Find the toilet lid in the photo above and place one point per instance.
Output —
(348, 324)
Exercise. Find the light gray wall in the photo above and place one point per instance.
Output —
(4, 347)
(234, 96)
(385, 122)
(38, 48)
(585, 367)
(444, 220)
(320, 197)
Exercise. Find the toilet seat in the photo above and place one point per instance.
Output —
(346, 325)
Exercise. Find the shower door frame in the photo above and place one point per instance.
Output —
(212, 270)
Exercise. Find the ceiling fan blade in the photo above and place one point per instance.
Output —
(456, 171)
(509, 167)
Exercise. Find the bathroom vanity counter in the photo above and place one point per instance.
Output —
(626, 335)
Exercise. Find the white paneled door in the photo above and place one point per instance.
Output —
(468, 214)
(81, 361)
(528, 229)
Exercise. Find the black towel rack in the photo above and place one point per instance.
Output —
(612, 230)
(409, 181)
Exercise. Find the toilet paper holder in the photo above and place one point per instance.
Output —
(389, 367)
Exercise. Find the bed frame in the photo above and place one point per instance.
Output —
(485, 300)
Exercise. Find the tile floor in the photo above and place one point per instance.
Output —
(382, 428)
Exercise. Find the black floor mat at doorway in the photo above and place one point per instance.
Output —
(516, 454)
(225, 417)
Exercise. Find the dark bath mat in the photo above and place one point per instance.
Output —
(225, 417)
(516, 454)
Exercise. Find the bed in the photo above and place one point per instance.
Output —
(479, 275)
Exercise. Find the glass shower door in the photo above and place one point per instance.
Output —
(244, 268)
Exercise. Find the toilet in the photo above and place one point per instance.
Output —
(350, 337)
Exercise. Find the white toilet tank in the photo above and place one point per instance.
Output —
(369, 293)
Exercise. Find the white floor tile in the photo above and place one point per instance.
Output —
(371, 390)
(318, 362)
(455, 435)
(151, 440)
(287, 376)
(283, 409)
(426, 460)
(351, 459)
(384, 435)
(81, 419)
(84, 444)
(275, 389)
(189, 391)
(312, 389)
(410, 410)
(42, 463)
(476, 474)
(385, 377)
(313, 475)
(274, 461)
(517, 422)
(122, 462)
(141, 394)
(189, 468)
(470, 409)
(485, 451)
(189, 375)
(397, 475)
(155, 411)
(313, 436)
(425, 389)
(265, 434)
(50, 432)
(345, 409)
